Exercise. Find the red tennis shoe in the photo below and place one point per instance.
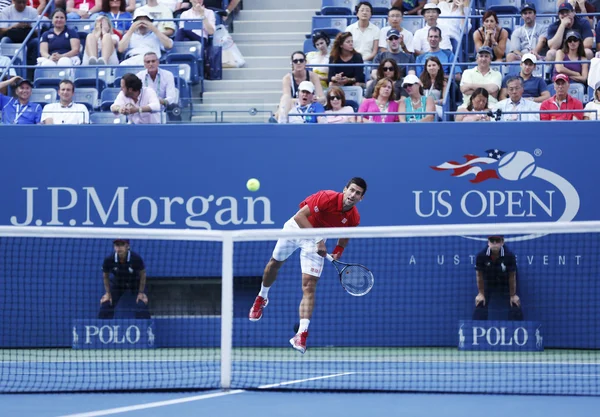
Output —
(256, 311)
(298, 342)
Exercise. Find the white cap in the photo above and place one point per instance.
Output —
(530, 57)
(431, 6)
(142, 13)
(411, 79)
(306, 86)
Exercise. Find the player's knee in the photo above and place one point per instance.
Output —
(309, 285)
(274, 265)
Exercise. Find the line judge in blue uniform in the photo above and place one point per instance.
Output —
(129, 274)
(496, 269)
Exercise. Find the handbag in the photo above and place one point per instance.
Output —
(213, 69)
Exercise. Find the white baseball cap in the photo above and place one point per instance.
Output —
(306, 86)
(411, 79)
(531, 57)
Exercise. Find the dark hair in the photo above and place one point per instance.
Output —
(319, 34)
(438, 83)
(488, 14)
(380, 84)
(338, 92)
(58, 11)
(397, 9)
(132, 81)
(381, 74)
(65, 81)
(336, 49)
(580, 48)
(363, 3)
(478, 92)
(296, 53)
(360, 182)
(106, 6)
(436, 29)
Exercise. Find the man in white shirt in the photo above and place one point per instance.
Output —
(395, 22)
(431, 12)
(142, 37)
(159, 11)
(516, 103)
(365, 35)
(139, 103)
(65, 111)
(481, 76)
(163, 83)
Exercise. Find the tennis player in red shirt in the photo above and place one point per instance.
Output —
(324, 209)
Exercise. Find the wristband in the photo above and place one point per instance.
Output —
(338, 251)
(139, 110)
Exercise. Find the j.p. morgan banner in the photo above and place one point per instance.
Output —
(500, 335)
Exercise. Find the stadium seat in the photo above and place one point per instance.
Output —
(10, 50)
(122, 70)
(81, 26)
(106, 118)
(107, 98)
(43, 96)
(354, 93)
(412, 23)
(50, 77)
(546, 6)
(504, 6)
(185, 72)
(308, 46)
(330, 25)
(352, 104)
(188, 52)
(337, 7)
(508, 23)
(87, 96)
(578, 91)
(91, 77)
(381, 7)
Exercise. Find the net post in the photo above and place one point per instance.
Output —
(227, 311)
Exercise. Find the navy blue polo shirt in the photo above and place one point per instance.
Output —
(14, 112)
(496, 269)
(580, 24)
(533, 87)
(59, 43)
(126, 271)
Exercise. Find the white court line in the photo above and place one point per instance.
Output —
(281, 384)
(153, 405)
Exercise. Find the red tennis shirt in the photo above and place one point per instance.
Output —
(326, 210)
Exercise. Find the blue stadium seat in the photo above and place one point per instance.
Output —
(546, 6)
(337, 7)
(308, 46)
(106, 118)
(185, 73)
(381, 7)
(330, 25)
(412, 23)
(352, 104)
(87, 96)
(188, 52)
(354, 93)
(81, 26)
(10, 50)
(92, 77)
(50, 77)
(43, 96)
(122, 70)
(107, 98)
(507, 23)
(185, 94)
(578, 91)
(504, 6)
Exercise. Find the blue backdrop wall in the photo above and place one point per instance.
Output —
(194, 177)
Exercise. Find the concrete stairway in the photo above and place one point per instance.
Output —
(266, 35)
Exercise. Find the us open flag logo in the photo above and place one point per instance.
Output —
(472, 166)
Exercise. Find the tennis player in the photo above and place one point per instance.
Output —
(129, 272)
(496, 271)
(323, 209)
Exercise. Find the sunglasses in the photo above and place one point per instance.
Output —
(335, 98)
(299, 61)
(393, 38)
(572, 40)
(408, 85)
(388, 68)
(495, 240)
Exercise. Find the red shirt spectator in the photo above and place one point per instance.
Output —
(561, 101)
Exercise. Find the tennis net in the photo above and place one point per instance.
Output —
(418, 329)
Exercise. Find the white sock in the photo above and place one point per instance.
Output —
(264, 291)
(303, 325)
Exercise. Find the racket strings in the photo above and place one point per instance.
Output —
(357, 280)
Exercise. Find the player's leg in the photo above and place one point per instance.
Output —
(107, 308)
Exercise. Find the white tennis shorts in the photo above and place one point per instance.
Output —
(310, 261)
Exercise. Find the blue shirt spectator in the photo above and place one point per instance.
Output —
(60, 43)
(20, 110)
(444, 55)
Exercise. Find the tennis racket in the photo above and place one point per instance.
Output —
(356, 279)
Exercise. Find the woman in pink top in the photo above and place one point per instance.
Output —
(382, 102)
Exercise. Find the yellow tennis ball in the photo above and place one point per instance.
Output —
(253, 184)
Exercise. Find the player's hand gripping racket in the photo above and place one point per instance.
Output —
(356, 279)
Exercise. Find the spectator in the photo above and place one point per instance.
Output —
(129, 272)
(142, 37)
(20, 14)
(163, 83)
(395, 22)
(321, 43)
(394, 52)
(387, 69)
(572, 52)
(445, 56)
(535, 88)
(593, 105)
(217, 4)
(433, 80)
(364, 33)
(173, 5)
(158, 11)
(492, 35)
(139, 103)
(583, 6)
(416, 102)
(336, 103)
(116, 10)
(409, 7)
(19, 110)
(431, 12)
(4, 4)
(453, 27)
(516, 103)
(562, 101)
(566, 22)
(479, 103)
(496, 271)
(60, 45)
(382, 102)
(83, 9)
(197, 12)
(529, 38)
(291, 84)
(481, 76)
(65, 111)
(301, 113)
(101, 44)
(4, 63)
(343, 52)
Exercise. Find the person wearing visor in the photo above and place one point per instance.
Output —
(496, 271)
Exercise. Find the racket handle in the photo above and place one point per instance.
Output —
(329, 258)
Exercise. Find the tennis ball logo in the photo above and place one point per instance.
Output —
(516, 166)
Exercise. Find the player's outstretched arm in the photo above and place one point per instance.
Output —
(301, 217)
